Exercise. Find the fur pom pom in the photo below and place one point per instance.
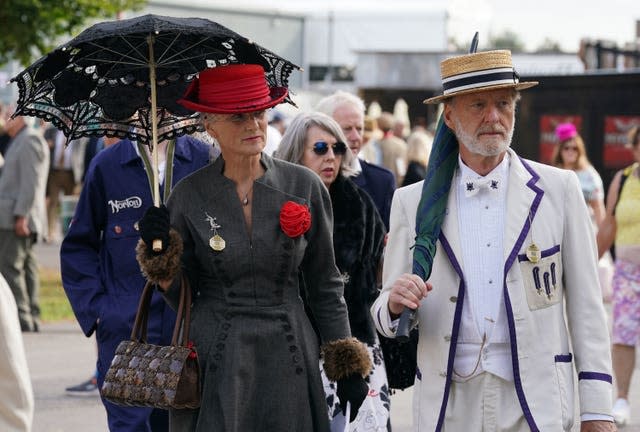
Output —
(164, 266)
(344, 357)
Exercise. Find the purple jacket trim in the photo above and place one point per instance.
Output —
(564, 358)
(454, 331)
(380, 322)
(594, 376)
(511, 321)
(545, 253)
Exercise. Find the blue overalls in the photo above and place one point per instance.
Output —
(100, 273)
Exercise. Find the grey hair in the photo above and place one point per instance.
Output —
(292, 145)
(329, 104)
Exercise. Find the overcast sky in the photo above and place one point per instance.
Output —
(565, 22)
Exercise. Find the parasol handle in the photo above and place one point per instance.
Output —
(156, 245)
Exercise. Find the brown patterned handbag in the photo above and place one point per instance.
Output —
(143, 374)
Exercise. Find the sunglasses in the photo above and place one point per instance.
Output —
(321, 148)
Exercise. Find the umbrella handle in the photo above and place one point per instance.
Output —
(402, 332)
(156, 245)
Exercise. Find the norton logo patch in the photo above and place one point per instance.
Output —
(131, 202)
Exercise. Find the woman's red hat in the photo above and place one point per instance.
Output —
(236, 88)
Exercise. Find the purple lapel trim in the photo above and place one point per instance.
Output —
(594, 376)
(454, 331)
(531, 184)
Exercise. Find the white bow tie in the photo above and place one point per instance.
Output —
(473, 185)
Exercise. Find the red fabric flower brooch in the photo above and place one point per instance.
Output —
(191, 346)
(295, 219)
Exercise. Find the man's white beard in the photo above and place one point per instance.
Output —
(475, 146)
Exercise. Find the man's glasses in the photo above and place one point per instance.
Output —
(321, 148)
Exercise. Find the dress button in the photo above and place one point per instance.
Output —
(453, 299)
(136, 226)
(117, 229)
(447, 338)
(443, 374)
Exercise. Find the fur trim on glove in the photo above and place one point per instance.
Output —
(161, 267)
(344, 357)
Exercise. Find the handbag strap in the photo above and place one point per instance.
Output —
(183, 315)
(183, 318)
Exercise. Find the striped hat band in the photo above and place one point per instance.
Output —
(489, 77)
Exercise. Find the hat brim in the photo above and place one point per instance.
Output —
(519, 86)
(276, 96)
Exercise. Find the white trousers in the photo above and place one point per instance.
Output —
(485, 403)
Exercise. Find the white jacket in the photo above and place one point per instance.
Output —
(544, 351)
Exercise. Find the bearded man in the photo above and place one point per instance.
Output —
(497, 348)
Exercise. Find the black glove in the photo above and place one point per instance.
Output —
(155, 225)
(352, 389)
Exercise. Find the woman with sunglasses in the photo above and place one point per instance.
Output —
(316, 141)
(249, 225)
(571, 154)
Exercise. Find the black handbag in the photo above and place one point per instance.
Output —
(143, 374)
(400, 360)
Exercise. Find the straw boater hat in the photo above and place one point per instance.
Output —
(483, 71)
(236, 88)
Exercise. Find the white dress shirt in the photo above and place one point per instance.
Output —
(483, 341)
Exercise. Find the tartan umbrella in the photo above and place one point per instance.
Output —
(433, 204)
(431, 209)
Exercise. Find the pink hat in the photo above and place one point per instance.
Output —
(565, 131)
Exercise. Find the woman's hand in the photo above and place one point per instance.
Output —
(352, 389)
(407, 291)
(155, 225)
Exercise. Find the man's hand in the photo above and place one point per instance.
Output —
(407, 291)
(21, 226)
(598, 426)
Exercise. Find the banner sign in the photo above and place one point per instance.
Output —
(616, 128)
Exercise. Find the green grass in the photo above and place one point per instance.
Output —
(54, 305)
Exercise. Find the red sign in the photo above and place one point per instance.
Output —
(616, 128)
(548, 139)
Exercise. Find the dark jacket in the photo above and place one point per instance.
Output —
(415, 173)
(358, 242)
(380, 184)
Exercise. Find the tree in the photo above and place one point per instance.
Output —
(549, 46)
(31, 28)
(507, 40)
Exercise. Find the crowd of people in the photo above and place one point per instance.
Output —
(307, 238)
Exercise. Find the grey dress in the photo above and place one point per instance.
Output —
(257, 350)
